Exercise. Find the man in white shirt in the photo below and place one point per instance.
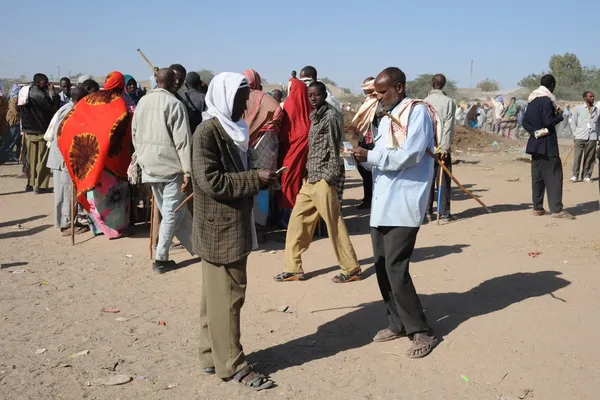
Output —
(163, 146)
(585, 127)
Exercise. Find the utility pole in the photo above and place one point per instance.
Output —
(471, 76)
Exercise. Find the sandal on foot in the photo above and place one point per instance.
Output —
(422, 345)
(352, 277)
(209, 370)
(385, 335)
(160, 267)
(289, 277)
(562, 214)
(251, 379)
(539, 213)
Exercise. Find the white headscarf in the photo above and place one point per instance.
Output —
(219, 104)
(84, 78)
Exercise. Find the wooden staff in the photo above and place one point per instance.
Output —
(441, 164)
(73, 214)
(146, 59)
(568, 155)
(439, 199)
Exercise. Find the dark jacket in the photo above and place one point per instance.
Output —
(542, 114)
(223, 196)
(194, 103)
(39, 110)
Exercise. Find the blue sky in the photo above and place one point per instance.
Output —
(345, 40)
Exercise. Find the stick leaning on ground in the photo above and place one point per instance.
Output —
(568, 155)
(441, 164)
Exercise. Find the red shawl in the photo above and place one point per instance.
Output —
(96, 136)
(258, 107)
(293, 142)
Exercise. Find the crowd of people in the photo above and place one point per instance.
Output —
(249, 159)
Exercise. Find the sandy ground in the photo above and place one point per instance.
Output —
(514, 326)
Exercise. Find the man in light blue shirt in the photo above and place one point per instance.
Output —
(401, 185)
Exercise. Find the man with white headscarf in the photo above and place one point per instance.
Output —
(224, 232)
(163, 147)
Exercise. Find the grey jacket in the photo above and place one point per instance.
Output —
(584, 125)
(445, 108)
(161, 135)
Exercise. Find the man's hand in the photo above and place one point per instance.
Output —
(360, 154)
(184, 185)
(266, 177)
(443, 155)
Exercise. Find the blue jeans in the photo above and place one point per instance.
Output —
(13, 138)
(168, 197)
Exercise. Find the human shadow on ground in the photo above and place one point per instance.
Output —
(458, 195)
(22, 220)
(24, 232)
(497, 208)
(584, 208)
(357, 328)
(11, 193)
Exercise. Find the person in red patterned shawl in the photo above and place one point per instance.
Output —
(95, 141)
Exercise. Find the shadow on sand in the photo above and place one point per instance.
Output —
(357, 328)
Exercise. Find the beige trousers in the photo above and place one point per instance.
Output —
(37, 157)
(314, 200)
(223, 294)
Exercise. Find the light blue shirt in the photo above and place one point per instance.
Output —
(402, 177)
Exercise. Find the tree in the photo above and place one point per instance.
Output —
(206, 75)
(418, 88)
(328, 81)
(488, 85)
(571, 77)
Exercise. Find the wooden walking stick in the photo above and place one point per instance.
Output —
(568, 155)
(439, 199)
(441, 164)
(73, 214)
(146, 59)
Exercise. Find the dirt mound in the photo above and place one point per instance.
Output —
(466, 138)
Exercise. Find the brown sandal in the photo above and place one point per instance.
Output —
(539, 213)
(422, 345)
(385, 335)
(251, 379)
(354, 276)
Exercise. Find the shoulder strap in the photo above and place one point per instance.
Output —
(192, 106)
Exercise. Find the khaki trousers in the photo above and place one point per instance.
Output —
(37, 157)
(223, 294)
(314, 200)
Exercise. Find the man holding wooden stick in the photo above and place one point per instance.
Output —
(163, 144)
(402, 173)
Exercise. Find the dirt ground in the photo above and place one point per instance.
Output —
(515, 326)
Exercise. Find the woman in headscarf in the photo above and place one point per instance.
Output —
(472, 117)
(509, 120)
(263, 116)
(131, 89)
(95, 141)
(293, 145)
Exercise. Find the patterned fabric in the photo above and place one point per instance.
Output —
(396, 136)
(324, 142)
(96, 136)
(223, 196)
(266, 151)
(110, 205)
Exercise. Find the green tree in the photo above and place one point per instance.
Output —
(328, 81)
(419, 87)
(206, 75)
(488, 85)
(571, 77)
